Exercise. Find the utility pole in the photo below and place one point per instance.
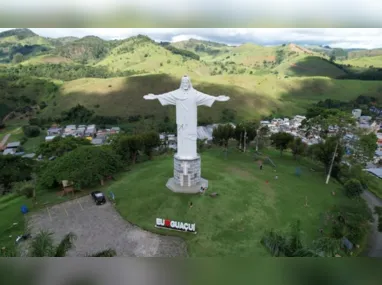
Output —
(245, 141)
(331, 165)
(257, 140)
(240, 144)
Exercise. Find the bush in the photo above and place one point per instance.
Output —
(24, 188)
(31, 131)
(23, 140)
(353, 188)
(86, 166)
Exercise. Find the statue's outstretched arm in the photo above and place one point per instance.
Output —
(164, 99)
(207, 100)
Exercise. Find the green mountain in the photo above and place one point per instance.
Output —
(110, 77)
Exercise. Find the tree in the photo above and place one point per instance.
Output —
(228, 116)
(326, 151)
(353, 188)
(201, 144)
(335, 123)
(244, 133)
(43, 246)
(77, 115)
(366, 147)
(151, 140)
(31, 131)
(59, 146)
(281, 141)
(128, 146)
(297, 147)
(26, 188)
(17, 58)
(85, 166)
(262, 139)
(332, 57)
(14, 169)
(222, 133)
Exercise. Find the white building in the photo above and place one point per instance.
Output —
(357, 113)
(49, 138)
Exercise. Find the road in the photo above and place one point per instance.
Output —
(4, 141)
(374, 248)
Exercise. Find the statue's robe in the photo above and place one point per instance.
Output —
(186, 102)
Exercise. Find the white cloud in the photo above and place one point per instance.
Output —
(335, 37)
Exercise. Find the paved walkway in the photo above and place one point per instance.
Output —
(101, 227)
(3, 142)
(374, 248)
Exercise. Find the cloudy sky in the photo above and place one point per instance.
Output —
(335, 37)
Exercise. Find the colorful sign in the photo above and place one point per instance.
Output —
(174, 225)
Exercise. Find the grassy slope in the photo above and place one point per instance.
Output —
(231, 224)
(365, 53)
(251, 96)
(34, 40)
(147, 56)
(365, 61)
(303, 65)
(206, 49)
(10, 211)
(43, 59)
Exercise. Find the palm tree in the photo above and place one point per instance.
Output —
(43, 246)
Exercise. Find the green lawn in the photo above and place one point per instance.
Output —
(231, 224)
(32, 144)
(14, 128)
(375, 185)
(10, 211)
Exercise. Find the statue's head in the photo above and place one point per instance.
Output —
(185, 83)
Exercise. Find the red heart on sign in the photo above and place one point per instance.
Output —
(167, 223)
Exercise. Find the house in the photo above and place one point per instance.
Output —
(377, 156)
(357, 113)
(90, 130)
(365, 118)
(10, 151)
(49, 138)
(80, 132)
(54, 131)
(70, 128)
(98, 141)
(29, 155)
(13, 145)
(171, 141)
(375, 171)
(116, 129)
(102, 134)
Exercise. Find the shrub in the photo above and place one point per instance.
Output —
(42, 105)
(25, 188)
(23, 140)
(353, 188)
(31, 131)
(85, 166)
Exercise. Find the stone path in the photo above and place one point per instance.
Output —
(101, 227)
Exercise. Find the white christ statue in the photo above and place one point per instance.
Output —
(186, 99)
